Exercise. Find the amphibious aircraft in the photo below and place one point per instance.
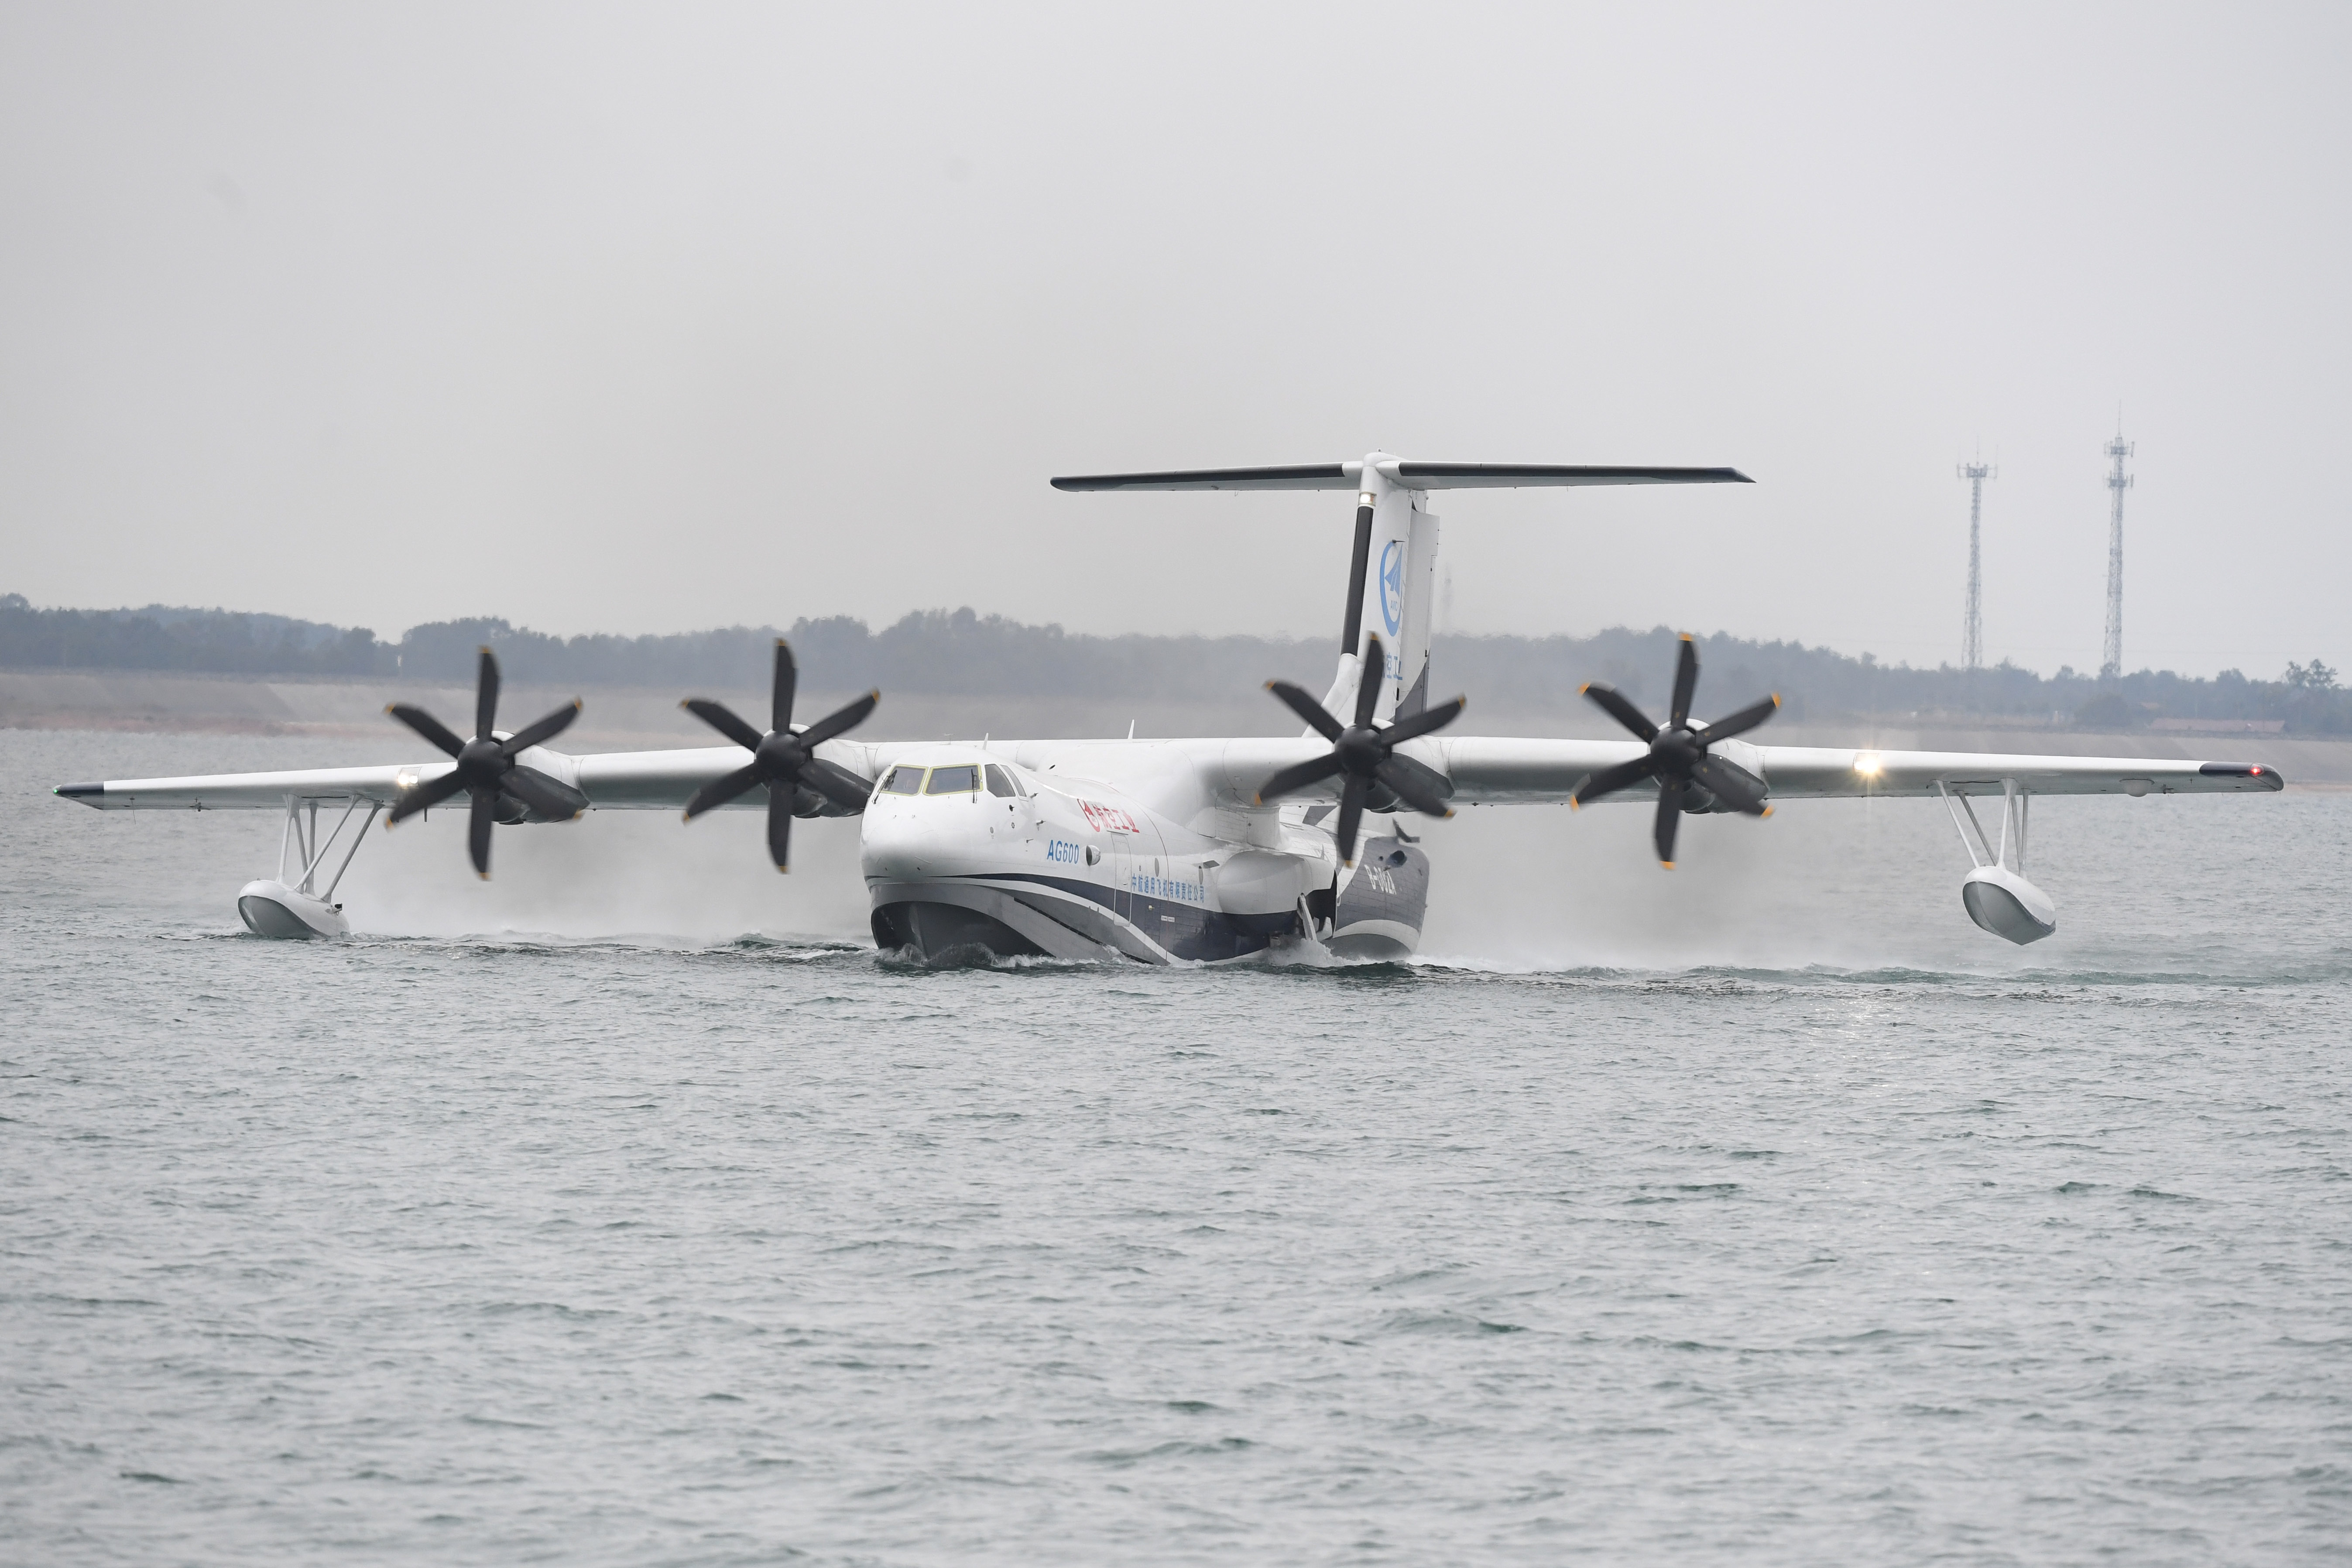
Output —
(1160, 851)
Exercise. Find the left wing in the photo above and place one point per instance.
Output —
(1493, 771)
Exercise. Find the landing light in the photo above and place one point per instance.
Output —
(1364, 499)
(1867, 764)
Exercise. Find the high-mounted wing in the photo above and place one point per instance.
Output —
(385, 786)
(623, 781)
(1500, 771)
(1494, 772)
(1799, 772)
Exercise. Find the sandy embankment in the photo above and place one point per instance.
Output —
(617, 718)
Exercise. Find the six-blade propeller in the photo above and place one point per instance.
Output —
(783, 758)
(1365, 754)
(486, 766)
(1678, 757)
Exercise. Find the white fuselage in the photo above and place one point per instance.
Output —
(1031, 847)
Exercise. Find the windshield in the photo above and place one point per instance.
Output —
(954, 781)
(903, 780)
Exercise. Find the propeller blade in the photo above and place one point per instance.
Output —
(780, 693)
(486, 702)
(1609, 781)
(1730, 783)
(477, 830)
(1686, 683)
(779, 828)
(1620, 709)
(839, 722)
(425, 724)
(1367, 685)
(1434, 784)
(1351, 816)
(837, 784)
(529, 788)
(721, 790)
(721, 718)
(1670, 814)
(1307, 708)
(543, 732)
(1739, 723)
(1297, 776)
(425, 796)
(1425, 721)
(1408, 788)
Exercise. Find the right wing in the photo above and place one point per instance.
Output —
(643, 781)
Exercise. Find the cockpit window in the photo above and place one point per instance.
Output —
(1000, 782)
(954, 781)
(903, 780)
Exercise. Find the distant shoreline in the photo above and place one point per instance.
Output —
(942, 651)
(635, 716)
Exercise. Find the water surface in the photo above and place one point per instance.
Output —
(628, 1211)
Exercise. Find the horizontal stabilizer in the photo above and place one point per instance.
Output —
(1513, 475)
(1298, 477)
(1404, 475)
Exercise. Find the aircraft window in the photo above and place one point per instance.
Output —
(954, 781)
(903, 780)
(998, 783)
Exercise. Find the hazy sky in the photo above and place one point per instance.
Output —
(651, 317)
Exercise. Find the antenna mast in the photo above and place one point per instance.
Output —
(2111, 664)
(1972, 626)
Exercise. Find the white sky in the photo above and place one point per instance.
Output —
(648, 318)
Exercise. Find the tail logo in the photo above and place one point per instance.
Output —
(1392, 585)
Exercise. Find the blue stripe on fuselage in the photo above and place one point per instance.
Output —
(1187, 931)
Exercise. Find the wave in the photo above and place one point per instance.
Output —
(2327, 970)
(2324, 969)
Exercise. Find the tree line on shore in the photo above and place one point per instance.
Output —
(958, 651)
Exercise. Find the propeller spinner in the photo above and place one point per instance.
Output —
(1366, 753)
(783, 758)
(1678, 757)
(486, 767)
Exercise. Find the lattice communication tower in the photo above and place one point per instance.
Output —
(1972, 625)
(2110, 662)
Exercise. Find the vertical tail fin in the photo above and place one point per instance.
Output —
(1392, 581)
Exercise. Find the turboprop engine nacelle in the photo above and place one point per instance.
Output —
(2007, 905)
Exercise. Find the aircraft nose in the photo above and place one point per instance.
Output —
(891, 844)
(925, 838)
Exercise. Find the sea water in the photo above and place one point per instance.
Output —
(631, 1209)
